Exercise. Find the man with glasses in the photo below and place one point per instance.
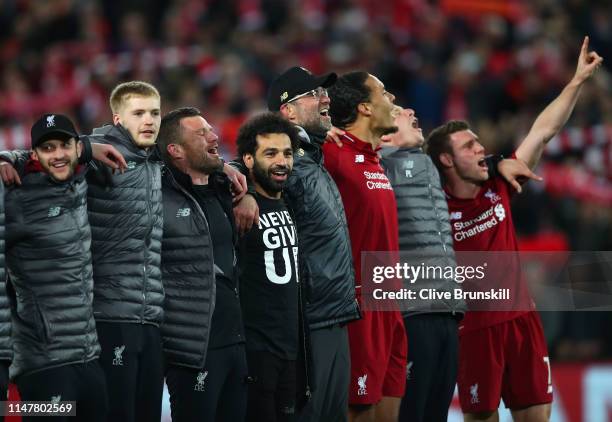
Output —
(316, 94)
(327, 267)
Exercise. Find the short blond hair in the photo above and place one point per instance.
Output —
(125, 90)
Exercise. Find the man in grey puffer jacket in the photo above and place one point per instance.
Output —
(50, 286)
(425, 233)
(125, 213)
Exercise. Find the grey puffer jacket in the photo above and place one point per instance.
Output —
(424, 225)
(126, 217)
(50, 269)
(6, 346)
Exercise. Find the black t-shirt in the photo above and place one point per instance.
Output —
(269, 282)
(226, 325)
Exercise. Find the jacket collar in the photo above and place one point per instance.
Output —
(181, 178)
(215, 179)
(122, 136)
(395, 151)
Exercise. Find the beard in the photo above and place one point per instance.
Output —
(263, 178)
(315, 124)
(71, 165)
(144, 143)
(206, 164)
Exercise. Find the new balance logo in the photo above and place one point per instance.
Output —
(456, 215)
(118, 361)
(409, 167)
(474, 394)
(200, 381)
(183, 212)
(361, 383)
(51, 120)
(54, 211)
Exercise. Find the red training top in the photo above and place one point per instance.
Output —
(485, 223)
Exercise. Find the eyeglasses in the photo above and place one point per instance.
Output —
(315, 93)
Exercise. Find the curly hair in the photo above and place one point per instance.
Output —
(346, 94)
(265, 124)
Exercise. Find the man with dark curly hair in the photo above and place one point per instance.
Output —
(269, 281)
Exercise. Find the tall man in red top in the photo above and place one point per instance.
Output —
(361, 106)
(501, 354)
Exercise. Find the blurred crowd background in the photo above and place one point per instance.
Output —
(496, 63)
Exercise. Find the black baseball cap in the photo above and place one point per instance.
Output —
(52, 126)
(294, 82)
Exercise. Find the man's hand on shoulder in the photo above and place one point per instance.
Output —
(246, 213)
(238, 180)
(109, 156)
(334, 135)
(8, 174)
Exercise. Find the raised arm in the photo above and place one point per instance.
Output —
(555, 115)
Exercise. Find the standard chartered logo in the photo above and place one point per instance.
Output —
(500, 212)
(377, 180)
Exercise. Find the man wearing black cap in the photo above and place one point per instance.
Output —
(327, 271)
(50, 286)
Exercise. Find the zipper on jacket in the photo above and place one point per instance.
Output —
(83, 251)
(146, 248)
(301, 309)
(301, 306)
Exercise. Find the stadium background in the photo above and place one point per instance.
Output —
(496, 63)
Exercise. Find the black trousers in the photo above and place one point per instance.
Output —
(331, 362)
(431, 371)
(132, 361)
(4, 382)
(272, 390)
(83, 383)
(218, 392)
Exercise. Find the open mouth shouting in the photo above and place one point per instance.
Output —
(213, 151)
(482, 163)
(415, 125)
(324, 112)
